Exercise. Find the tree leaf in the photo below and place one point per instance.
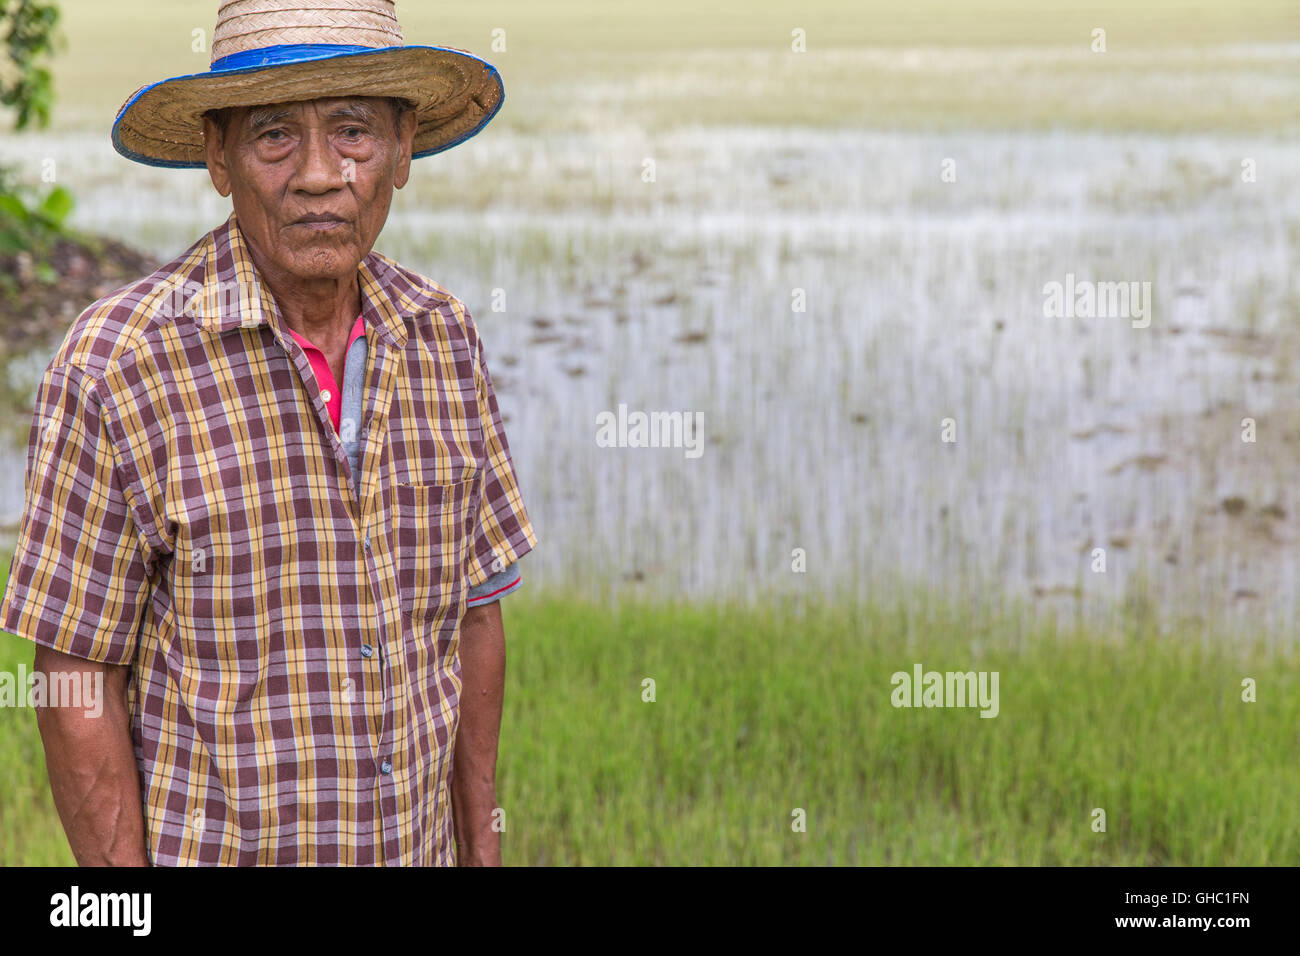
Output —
(56, 206)
(12, 206)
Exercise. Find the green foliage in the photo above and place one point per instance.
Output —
(31, 222)
(27, 221)
(30, 36)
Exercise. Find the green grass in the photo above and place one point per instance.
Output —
(30, 832)
(760, 711)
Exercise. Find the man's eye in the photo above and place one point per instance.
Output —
(353, 132)
(273, 135)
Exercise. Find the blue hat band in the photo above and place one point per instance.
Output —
(287, 53)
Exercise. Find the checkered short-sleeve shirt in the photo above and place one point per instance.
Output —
(345, 405)
(292, 623)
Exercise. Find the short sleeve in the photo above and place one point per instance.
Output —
(503, 532)
(495, 588)
(79, 579)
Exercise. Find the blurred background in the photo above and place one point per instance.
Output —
(826, 227)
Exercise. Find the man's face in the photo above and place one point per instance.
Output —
(311, 182)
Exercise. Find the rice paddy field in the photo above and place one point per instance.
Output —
(838, 259)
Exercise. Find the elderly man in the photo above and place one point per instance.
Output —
(270, 498)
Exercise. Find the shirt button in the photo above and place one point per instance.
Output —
(325, 395)
(385, 767)
(367, 651)
(367, 539)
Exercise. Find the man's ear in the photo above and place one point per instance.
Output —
(213, 148)
(405, 137)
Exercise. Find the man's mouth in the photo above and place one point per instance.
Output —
(320, 223)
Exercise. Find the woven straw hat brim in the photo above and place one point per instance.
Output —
(455, 94)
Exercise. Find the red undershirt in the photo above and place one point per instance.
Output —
(324, 375)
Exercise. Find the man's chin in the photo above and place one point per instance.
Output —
(325, 261)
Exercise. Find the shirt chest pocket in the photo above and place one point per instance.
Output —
(433, 531)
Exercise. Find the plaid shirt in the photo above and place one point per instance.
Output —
(346, 408)
(292, 627)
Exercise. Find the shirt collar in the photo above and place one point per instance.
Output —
(232, 295)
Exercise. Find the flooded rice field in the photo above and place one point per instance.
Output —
(868, 327)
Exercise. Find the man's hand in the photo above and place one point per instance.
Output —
(92, 768)
(474, 762)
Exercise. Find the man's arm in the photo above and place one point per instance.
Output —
(474, 762)
(92, 768)
(79, 583)
(502, 535)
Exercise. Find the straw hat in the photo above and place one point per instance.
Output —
(277, 51)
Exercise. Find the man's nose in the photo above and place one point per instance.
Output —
(320, 167)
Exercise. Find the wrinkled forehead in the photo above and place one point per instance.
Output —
(367, 109)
